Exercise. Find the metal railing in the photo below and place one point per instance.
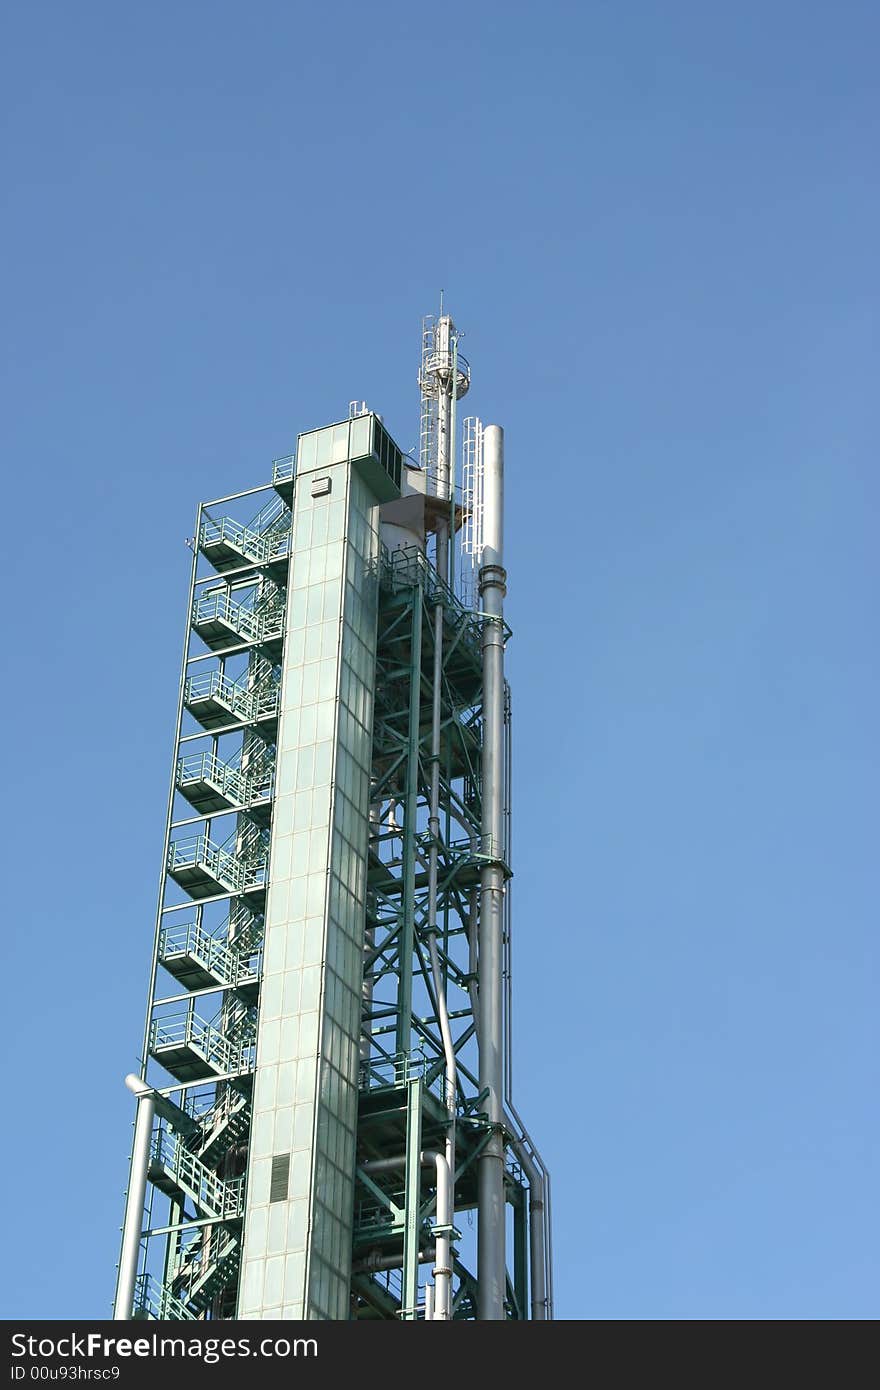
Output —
(227, 964)
(236, 873)
(207, 1265)
(237, 786)
(483, 849)
(283, 469)
(396, 1071)
(266, 537)
(214, 1196)
(152, 1298)
(251, 624)
(207, 767)
(408, 565)
(266, 522)
(254, 702)
(252, 545)
(187, 1029)
(229, 1114)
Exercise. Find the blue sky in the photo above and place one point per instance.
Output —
(657, 225)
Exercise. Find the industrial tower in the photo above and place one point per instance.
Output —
(324, 1100)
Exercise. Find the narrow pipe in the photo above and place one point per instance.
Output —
(442, 1307)
(473, 913)
(537, 1232)
(491, 1269)
(446, 1034)
(134, 1201)
(442, 1270)
(444, 426)
(508, 934)
(429, 1303)
(521, 1137)
(404, 1000)
(442, 1259)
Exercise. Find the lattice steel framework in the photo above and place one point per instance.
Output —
(420, 941)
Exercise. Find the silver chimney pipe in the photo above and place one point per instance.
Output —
(134, 1201)
(491, 1268)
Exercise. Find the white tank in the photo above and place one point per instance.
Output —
(402, 522)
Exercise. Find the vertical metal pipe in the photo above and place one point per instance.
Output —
(407, 930)
(491, 1270)
(442, 1257)
(508, 935)
(134, 1201)
(445, 489)
(442, 1275)
(537, 1244)
(537, 1234)
(412, 1201)
(444, 427)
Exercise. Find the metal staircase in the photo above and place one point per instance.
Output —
(210, 784)
(226, 1124)
(218, 702)
(192, 1049)
(211, 1263)
(222, 622)
(199, 960)
(228, 544)
(179, 1173)
(155, 1302)
(204, 868)
(212, 901)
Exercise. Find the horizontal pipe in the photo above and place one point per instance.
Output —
(373, 1263)
(389, 1165)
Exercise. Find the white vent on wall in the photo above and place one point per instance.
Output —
(279, 1180)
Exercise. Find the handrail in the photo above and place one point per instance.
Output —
(255, 785)
(187, 1028)
(253, 625)
(283, 469)
(153, 1297)
(260, 540)
(199, 1270)
(254, 702)
(249, 542)
(216, 1196)
(238, 873)
(207, 767)
(395, 1071)
(190, 938)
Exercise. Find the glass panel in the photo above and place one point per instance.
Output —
(322, 457)
(360, 437)
(339, 447)
(305, 453)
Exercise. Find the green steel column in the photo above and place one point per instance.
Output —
(412, 1197)
(408, 905)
